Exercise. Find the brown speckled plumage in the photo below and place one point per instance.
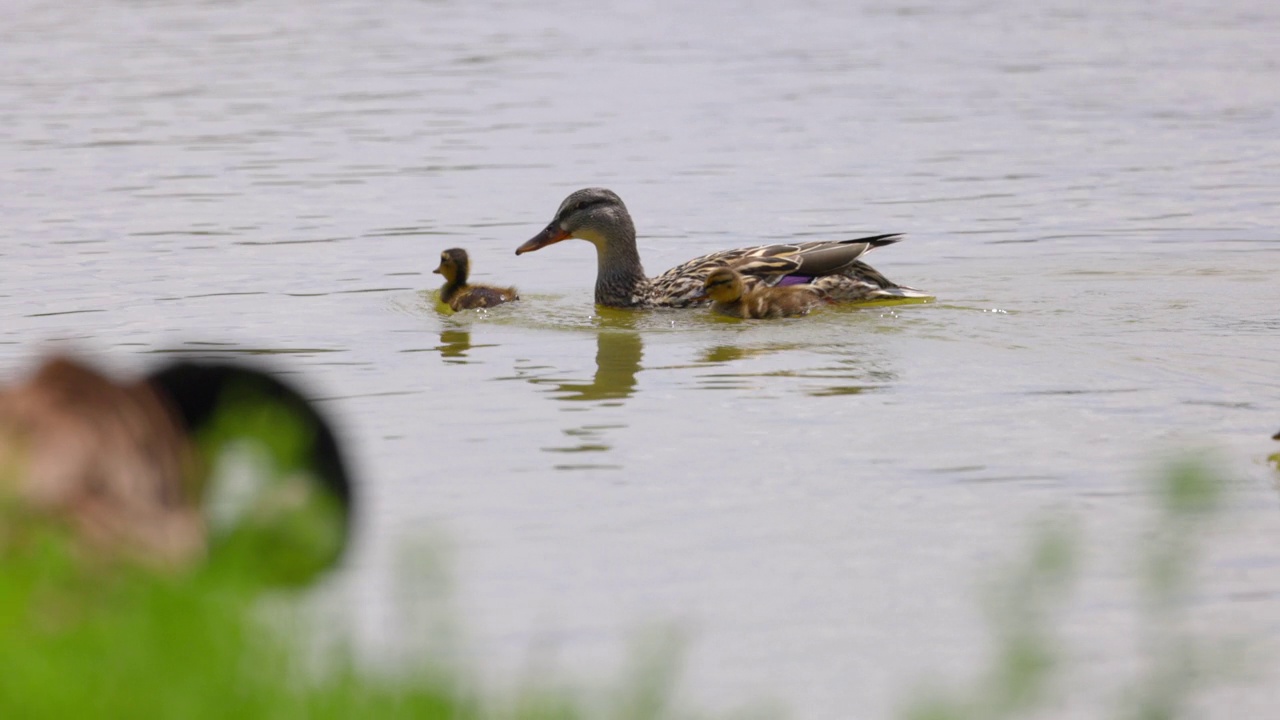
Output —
(106, 459)
(730, 297)
(598, 216)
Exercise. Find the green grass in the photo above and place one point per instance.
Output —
(86, 634)
(79, 638)
(1024, 609)
(84, 637)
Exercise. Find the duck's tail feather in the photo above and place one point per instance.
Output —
(900, 292)
(876, 241)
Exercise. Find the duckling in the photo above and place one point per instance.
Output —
(136, 470)
(457, 294)
(105, 460)
(729, 297)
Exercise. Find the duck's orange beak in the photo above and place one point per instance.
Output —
(552, 234)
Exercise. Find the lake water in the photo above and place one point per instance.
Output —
(1089, 189)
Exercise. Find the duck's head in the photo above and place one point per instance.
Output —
(453, 264)
(274, 487)
(723, 285)
(596, 215)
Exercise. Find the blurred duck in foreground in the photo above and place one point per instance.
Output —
(730, 297)
(455, 266)
(197, 463)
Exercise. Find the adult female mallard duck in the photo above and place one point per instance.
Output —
(598, 216)
(135, 469)
(455, 266)
(730, 297)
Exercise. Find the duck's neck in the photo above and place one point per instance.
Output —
(452, 286)
(620, 278)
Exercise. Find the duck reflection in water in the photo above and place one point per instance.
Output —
(1274, 458)
(618, 361)
(454, 345)
(618, 355)
(718, 354)
(157, 471)
(848, 371)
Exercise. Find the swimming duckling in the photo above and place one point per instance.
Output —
(729, 297)
(457, 294)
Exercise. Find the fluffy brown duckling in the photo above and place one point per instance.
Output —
(134, 470)
(457, 294)
(729, 297)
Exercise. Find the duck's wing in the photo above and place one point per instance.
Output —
(810, 259)
(860, 282)
(832, 258)
(482, 296)
(682, 285)
(764, 265)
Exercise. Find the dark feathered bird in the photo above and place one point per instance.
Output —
(146, 470)
(455, 266)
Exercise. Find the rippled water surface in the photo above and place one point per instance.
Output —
(1090, 190)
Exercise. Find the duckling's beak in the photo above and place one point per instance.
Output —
(700, 296)
(552, 234)
(438, 271)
